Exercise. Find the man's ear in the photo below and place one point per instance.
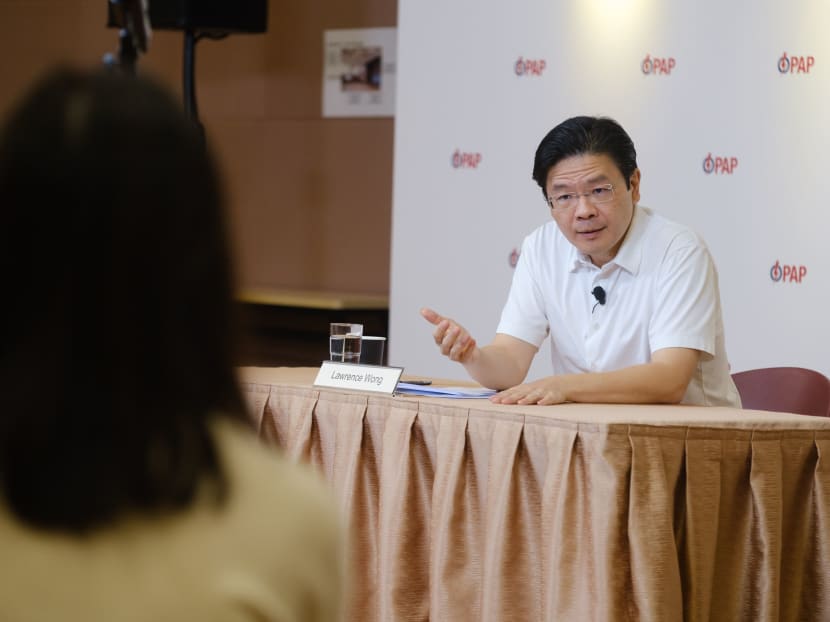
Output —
(635, 186)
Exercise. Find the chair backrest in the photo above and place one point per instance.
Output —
(785, 389)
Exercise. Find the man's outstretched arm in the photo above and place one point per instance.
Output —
(503, 363)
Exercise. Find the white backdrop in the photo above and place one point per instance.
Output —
(731, 134)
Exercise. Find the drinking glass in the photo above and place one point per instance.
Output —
(371, 350)
(344, 342)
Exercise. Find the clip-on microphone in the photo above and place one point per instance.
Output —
(599, 294)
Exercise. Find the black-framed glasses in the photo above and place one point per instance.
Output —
(603, 193)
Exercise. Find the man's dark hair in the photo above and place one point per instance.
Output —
(585, 135)
(115, 328)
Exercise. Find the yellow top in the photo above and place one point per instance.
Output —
(273, 552)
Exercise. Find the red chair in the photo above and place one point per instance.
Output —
(785, 389)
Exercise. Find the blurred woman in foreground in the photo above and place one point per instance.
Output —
(130, 485)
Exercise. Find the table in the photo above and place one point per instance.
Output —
(467, 510)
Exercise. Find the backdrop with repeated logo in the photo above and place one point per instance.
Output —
(727, 104)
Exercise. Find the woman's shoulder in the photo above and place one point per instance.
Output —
(263, 475)
(274, 549)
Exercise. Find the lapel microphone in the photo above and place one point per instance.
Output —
(599, 294)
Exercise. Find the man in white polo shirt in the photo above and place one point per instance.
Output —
(630, 300)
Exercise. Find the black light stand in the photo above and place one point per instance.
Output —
(191, 108)
(191, 38)
(197, 19)
(127, 54)
(130, 16)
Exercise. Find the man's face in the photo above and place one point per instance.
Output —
(595, 227)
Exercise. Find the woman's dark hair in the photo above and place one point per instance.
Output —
(116, 322)
(585, 135)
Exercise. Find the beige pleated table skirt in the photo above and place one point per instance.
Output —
(466, 510)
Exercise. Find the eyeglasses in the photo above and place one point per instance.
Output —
(597, 195)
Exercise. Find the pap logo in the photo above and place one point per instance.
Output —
(795, 64)
(719, 165)
(654, 65)
(513, 259)
(528, 67)
(787, 273)
(463, 159)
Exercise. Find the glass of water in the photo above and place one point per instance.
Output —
(344, 342)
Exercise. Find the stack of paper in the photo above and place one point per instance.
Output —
(404, 388)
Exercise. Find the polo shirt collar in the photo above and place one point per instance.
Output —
(631, 251)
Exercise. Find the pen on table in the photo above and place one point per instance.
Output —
(421, 382)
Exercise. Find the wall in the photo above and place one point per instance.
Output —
(721, 87)
(309, 197)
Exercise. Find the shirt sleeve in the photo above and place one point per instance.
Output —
(687, 301)
(523, 316)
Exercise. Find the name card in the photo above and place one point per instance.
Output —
(373, 378)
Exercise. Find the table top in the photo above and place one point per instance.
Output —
(663, 415)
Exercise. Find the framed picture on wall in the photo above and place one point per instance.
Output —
(359, 72)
